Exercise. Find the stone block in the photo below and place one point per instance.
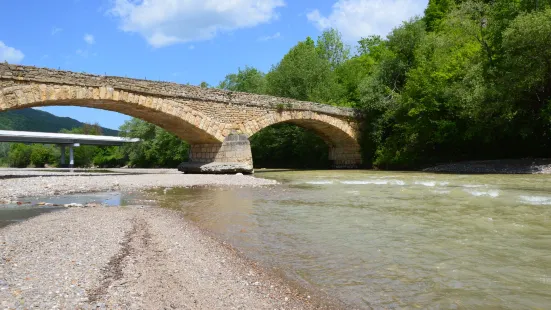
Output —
(216, 168)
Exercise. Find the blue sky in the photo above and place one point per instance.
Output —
(184, 41)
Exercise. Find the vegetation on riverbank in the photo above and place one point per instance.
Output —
(150, 152)
(468, 80)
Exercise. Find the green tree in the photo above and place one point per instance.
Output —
(436, 11)
(249, 80)
(302, 74)
(109, 156)
(4, 152)
(42, 155)
(19, 155)
(331, 48)
(526, 82)
(288, 146)
(157, 147)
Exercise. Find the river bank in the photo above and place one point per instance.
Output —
(132, 258)
(505, 166)
(18, 183)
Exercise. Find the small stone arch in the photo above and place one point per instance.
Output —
(192, 126)
(340, 135)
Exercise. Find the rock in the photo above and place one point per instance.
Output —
(239, 173)
(73, 205)
(216, 168)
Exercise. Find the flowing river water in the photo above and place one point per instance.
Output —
(380, 239)
(392, 240)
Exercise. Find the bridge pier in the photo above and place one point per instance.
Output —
(232, 156)
(345, 157)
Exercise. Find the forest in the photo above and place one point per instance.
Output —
(468, 80)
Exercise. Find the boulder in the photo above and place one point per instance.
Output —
(215, 168)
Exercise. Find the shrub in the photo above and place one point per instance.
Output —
(19, 155)
(41, 155)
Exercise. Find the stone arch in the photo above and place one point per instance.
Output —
(190, 125)
(340, 135)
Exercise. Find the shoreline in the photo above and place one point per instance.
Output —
(135, 257)
(503, 166)
(21, 183)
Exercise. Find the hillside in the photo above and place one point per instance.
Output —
(36, 120)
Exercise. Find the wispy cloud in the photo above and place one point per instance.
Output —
(191, 47)
(88, 38)
(82, 53)
(272, 37)
(10, 54)
(85, 53)
(56, 30)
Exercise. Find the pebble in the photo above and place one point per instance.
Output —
(96, 258)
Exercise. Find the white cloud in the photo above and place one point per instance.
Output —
(88, 38)
(191, 47)
(56, 30)
(166, 22)
(272, 37)
(82, 53)
(10, 54)
(360, 18)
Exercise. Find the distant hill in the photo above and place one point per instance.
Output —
(41, 121)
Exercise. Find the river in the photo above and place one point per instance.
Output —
(392, 240)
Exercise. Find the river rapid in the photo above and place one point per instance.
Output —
(392, 240)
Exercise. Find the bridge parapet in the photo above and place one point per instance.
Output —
(19, 73)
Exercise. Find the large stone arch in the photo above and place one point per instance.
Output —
(340, 134)
(217, 123)
(192, 126)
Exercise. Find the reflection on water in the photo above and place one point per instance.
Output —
(393, 240)
(9, 216)
(13, 213)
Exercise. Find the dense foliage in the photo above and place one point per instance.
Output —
(157, 148)
(469, 80)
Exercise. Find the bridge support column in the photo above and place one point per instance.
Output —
(345, 157)
(62, 149)
(71, 157)
(232, 156)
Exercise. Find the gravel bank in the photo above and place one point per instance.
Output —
(132, 258)
(17, 183)
(510, 166)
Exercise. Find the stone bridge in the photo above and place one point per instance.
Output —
(216, 123)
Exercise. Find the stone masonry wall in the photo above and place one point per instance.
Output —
(235, 149)
(204, 117)
(164, 89)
